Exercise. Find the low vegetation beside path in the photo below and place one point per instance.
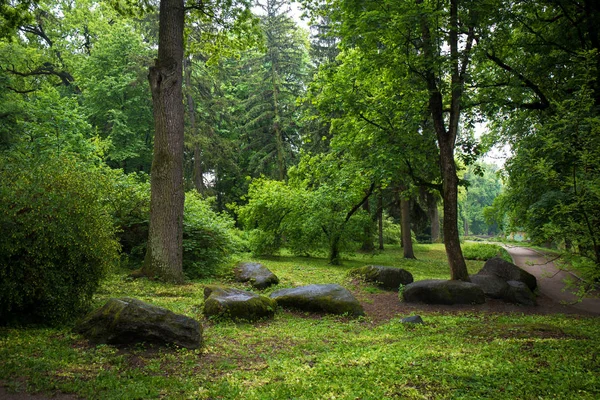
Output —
(311, 356)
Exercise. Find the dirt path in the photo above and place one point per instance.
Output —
(551, 280)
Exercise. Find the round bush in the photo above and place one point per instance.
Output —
(57, 239)
(209, 238)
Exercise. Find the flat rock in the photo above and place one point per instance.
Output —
(127, 321)
(386, 277)
(493, 286)
(434, 291)
(508, 271)
(223, 302)
(519, 293)
(333, 299)
(259, 276)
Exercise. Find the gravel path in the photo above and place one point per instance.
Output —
(551, 280)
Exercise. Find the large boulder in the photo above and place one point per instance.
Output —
(386, 277)
(508, 271)
(259, 276)
(519, 293)
(223, 302)
(126, 321)
(331, 298)
(493, 286)
(436, 291)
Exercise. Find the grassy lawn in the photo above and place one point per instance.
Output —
(297, 355)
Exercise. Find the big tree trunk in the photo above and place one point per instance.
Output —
(446, 137)
(165, 252)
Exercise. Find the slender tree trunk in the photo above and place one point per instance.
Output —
(197, 173)
(380, 219)
(368, 244)
(434, 217)
(165, 252)
(407, 246)
(334, 250)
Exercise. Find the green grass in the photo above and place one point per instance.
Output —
(484, 251)
(296, 355)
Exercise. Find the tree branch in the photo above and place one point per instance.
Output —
(542, 104)
(357, 206)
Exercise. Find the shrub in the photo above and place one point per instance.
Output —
(484, 251)
(57, 239)
(209, 238)
(128, 202)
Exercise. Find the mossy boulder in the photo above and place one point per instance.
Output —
(518, 292)
(434, 291)
(127, 321)
(224, 302)
(389, 278)
(493, 286)
(332, 298)
(259, 276)
(508, 271)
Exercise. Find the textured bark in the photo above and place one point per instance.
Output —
(446, 137)
(165, 252)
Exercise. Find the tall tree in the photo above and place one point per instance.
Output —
(427, 48)
(164, 255)
(270, 82)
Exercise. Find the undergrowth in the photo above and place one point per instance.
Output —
(306, 356)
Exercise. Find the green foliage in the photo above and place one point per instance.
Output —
(58, 239)
(391, 231)
(484, 251)
(483, 186)
(318, 209)
(116, 96)
(128, 201)
(209, 238)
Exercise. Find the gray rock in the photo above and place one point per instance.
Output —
(413, 319)
(333, 299)
(508, 271)
(126, 321)
(519, 293)
(237, 304)
(386, 277)
(259, 276)
(436, 291)
(492, 285)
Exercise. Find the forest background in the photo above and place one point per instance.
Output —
(321, 142)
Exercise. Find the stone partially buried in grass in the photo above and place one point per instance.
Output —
(223, 302)
(386, 277)
(333, 299)
(127, 321)
(434, 291)
(259, 276)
